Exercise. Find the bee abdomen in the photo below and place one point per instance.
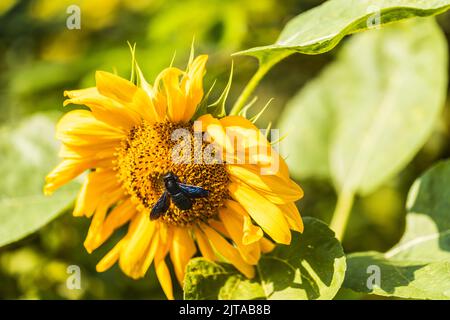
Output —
(181, 201)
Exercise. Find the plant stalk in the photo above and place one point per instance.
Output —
(342, 213)
(264, 67)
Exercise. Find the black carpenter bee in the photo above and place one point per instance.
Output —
(180, 193)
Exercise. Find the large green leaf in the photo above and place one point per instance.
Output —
(320, 29)
(365, 117)
(311, 267)
(419, 265)
(28, 152)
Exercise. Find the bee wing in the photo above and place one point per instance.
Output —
(193, 191)
(160, 206)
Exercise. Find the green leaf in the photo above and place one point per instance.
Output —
(208, 280)
(366, 116)
(29, 151)
(418, 266)
(322, 28)
(311, 267)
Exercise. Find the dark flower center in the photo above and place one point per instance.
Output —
(147, 154)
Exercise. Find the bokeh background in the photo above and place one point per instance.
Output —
(40, 58)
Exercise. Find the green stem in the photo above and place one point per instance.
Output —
(342, 213)
(264, 67)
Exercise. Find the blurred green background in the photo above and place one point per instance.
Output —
(40, 57)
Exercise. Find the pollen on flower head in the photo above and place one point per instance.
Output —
(145, 156)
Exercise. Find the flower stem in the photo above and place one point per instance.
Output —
(342, 213)
(264, 67)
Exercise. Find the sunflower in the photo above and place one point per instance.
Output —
(124, 141)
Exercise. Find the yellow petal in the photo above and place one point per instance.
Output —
(193, 85)
(277, 189)
(292, 216)
(163, 274)
(238, 122)
(165, 234)
(81, 93)
(244, 132)
(120, 215)
(173, 95)
(217, 132)
(268, 160)
(81, 128)
(229, 252)
(182, 250)
(143, 105)
(104, 109)
(90, 243)
(234, 222)
(145, 262)
(115, 87)
(90, 156)
(266, 245)
(240, 126)
(110, 258)
(265, 213)
(218, 226)
(95, 185)
(124, 91)
(94, 152)
(252, 146)
(133, 255)
(64, 172)
(203, 244)
(148, 258)
(252, 233)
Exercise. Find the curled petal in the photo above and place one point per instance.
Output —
(228, 251)
(251, 233)
(292, 216)
(266, 214)
(234, 222)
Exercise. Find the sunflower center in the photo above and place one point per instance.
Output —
(151, 151)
